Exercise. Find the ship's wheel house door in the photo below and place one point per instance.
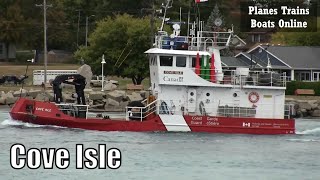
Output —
(192, 100)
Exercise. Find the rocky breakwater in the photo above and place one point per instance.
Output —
(115, 100)
(304, 106)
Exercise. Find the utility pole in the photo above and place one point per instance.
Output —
(79, 14)
(152, 23)
(45, 6)
(87, 21)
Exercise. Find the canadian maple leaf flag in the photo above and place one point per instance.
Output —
(199, 1)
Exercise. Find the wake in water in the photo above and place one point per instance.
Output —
(304, 140)
(315, 131)
(10, 122)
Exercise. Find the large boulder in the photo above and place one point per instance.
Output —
(88, 90)
(96, 95)
(49, 95)
(123, 104)
(33, 93)
(2, 93)
(85, 71)
(135, 97)
(116, 95)
(109, 86)
(305, 105)
(112, 102)
(23, 93)
(10, 99)
(313, 103)
(8, 95)
(143, 94)
(67, 97)
(67, 86)
(316, 113)
(42, 97)
(2, 101)
(113, 82)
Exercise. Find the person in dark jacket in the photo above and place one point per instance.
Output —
(80, 85)
(57, 91)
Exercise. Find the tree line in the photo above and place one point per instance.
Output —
(121, 30)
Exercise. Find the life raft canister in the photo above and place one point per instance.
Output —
(253, 97)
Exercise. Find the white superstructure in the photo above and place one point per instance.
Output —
(187, 79)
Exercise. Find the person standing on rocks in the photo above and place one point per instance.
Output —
(80, 85)
(57, 91)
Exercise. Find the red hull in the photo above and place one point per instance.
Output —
(45, 113)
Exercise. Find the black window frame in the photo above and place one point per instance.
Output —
(166, 62)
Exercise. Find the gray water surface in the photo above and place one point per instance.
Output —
(171, 155)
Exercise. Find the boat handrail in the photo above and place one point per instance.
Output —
(243, 77)
(289, 110)
(143, 115)
(71, 104)
(74, 105)
(199, 42)
(148, 110)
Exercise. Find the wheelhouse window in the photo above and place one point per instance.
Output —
(193, 64)
(153, 61)
(181, 61)
(166, 60)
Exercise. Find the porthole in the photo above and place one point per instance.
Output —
(235, 94)
(191, 93)
(208, 94)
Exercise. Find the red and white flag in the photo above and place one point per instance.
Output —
(199, 1)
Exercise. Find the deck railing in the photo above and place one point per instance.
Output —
(75, 110)
(238, 77)
(140, 113)
(289, 111)
(201, 42)
(206, 39)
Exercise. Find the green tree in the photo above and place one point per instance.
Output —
(11, 20)
(123, 40)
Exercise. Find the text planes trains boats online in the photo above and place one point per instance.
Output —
(190, 91)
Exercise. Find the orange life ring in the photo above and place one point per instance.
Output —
(254, 97)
